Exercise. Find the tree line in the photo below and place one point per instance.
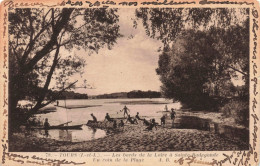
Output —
(205, 50)
(131, 94)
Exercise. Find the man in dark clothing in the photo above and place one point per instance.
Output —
(125, 109)
(46, 124)
(121, 124)
(173, 113)
(46, 127)
(152, 125)
(163, 120)
(94, 118)
(146, 122)
(137, 116)
(107, 117)
(131, 120)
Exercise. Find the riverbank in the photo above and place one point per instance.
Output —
(215, 117)
(204, 132)
(134, 137)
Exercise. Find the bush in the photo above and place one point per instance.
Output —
(237, 109)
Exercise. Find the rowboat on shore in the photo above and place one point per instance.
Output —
(74, 127)
(63, 126)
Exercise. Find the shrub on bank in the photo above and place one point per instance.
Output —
(237, 109)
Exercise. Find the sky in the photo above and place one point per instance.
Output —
(130, 65)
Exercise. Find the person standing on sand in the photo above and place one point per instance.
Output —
(125, 109)
(46, 124)
(163, 120)
(57, 102)
(173, 113)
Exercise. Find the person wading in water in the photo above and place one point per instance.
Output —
(125, 109)
(46, 127)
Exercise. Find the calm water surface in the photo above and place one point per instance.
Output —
(147, 108)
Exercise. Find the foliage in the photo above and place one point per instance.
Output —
(204, 49)
(38, 37)
(143, 94)
(165, 24)
(68, 95)
(237, 109)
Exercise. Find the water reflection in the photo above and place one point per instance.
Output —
(46, 133)
(65, 135)
(94, 130)
(112, 106)
(87, 133)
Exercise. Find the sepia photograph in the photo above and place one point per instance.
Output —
(128, 79)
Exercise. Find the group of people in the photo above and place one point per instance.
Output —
(134, 120)
(172, 115)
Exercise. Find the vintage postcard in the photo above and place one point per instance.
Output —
(127, 82)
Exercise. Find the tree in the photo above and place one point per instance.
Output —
(203, 49)
(166, 24)
(186, 67)
(197, 69)
(38, 37)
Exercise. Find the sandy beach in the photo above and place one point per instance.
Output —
(134, 137)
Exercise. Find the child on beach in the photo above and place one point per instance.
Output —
(152, 125)
(107, 117)
(114, 125)
(146, 122)
(121, 124)
(137, 116)
(131, 120)
(94, 119)
(163, 120)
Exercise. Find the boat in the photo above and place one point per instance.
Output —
(74, 127)
(61, 127)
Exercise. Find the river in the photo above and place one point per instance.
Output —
(147, 108)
